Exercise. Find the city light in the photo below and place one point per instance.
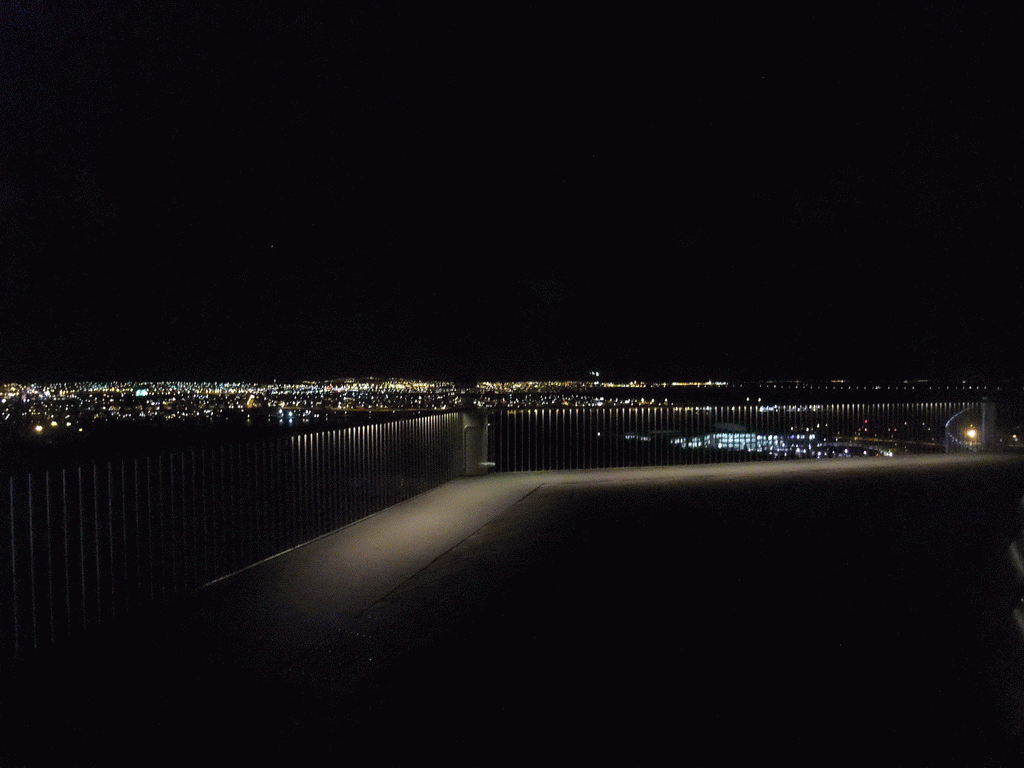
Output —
(84, 406)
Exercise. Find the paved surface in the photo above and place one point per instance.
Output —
(821, 613)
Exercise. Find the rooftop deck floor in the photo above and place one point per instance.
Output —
(822, 612)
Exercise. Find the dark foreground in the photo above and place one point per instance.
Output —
(826, 613)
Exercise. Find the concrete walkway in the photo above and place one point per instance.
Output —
(817, 612)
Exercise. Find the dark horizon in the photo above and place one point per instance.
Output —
(302, 194)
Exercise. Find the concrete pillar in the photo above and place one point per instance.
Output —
(474, 441)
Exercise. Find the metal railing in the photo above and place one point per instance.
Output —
(529, 439)
(85, 544)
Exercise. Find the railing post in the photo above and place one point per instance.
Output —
(989, 440)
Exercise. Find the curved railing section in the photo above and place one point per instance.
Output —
(986, 426)
(963, 430)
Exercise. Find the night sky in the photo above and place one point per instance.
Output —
(204, 190)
